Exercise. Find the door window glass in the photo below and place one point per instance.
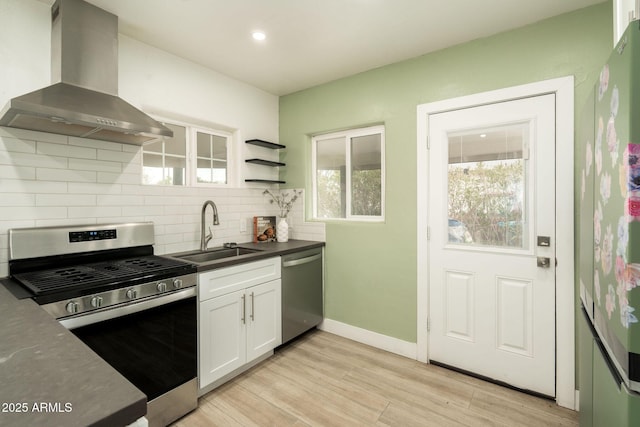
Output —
(487, 188)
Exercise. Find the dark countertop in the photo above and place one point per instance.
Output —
(263, 250)
(55, 379)
(41, 362)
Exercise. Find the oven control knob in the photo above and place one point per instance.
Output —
(177, 283)
(72, 307)
(96, 302)
(132, 293)
(161, 287)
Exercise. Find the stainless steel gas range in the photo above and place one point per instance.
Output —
(134, 309)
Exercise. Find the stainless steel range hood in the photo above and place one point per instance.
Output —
(83, 101)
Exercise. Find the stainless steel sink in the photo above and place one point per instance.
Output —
(215, 254)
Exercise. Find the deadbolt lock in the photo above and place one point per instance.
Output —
(544, 262)
(544, 241)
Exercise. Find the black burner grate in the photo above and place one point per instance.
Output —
(86, 276)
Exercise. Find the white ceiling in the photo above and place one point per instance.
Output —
(310, 42)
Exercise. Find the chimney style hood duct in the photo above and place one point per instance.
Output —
(83, 101)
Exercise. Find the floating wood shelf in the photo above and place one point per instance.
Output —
(266, 181)
(265, 144)
(265, 162)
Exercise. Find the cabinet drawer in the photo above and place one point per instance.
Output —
(229, 279)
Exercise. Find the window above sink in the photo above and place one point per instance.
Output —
(194, 156)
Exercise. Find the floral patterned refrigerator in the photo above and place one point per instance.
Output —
(608, 141)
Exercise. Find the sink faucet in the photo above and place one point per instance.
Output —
(204, 239)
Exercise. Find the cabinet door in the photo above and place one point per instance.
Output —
(223, 342)
(264, 318)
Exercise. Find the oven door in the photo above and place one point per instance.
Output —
(152, 343)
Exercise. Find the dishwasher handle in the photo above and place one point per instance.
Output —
(301, 261)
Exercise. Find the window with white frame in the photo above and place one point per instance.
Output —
(164, 162)
(211, 157)
(193, 156)
(348, 174)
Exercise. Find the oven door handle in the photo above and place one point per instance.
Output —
(123, 310)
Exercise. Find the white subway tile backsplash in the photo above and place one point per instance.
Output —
(65, 221)
(94, 188)
(65, 150)
(142, 189)
(47, 182)
(123, 218)
(18, 200)
(17, 145)
(167, 239)
(17, 172)
(174, 247)
(118, 178)
(171, 190)
(12, 213)
(6, 225)
(162, 219)
(32, 135)
(157, 201)
(32, 160)
(110, 212)
(131, 148)
(95, 165)
(134, 167)
(25, 186)
(118, 156)
(178, 228)
(145, 211)
(65, 200)
(95, 143)
(94, 211)
(119, 200)
(44, 174)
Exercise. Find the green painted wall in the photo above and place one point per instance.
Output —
(371, 268)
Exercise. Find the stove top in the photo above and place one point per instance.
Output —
(101, 275)
(105, 264)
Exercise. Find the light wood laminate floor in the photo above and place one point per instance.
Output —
(325, 380)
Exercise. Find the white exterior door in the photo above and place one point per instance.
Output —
(491, 210)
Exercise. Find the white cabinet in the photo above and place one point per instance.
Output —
(239, 317)
(623, 12)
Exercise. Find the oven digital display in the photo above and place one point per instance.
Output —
(87, 236)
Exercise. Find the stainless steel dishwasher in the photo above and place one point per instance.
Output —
(302, 295)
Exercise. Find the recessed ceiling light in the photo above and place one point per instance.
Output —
(258, 35)
(483, 135)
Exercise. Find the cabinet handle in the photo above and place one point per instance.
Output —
(244, 309)
(252, 307)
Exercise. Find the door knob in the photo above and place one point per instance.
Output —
(544, 262)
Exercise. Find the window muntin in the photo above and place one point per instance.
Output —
(348, 181)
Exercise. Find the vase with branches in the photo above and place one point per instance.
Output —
(285, 201)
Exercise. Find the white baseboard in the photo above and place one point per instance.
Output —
(374, 339)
